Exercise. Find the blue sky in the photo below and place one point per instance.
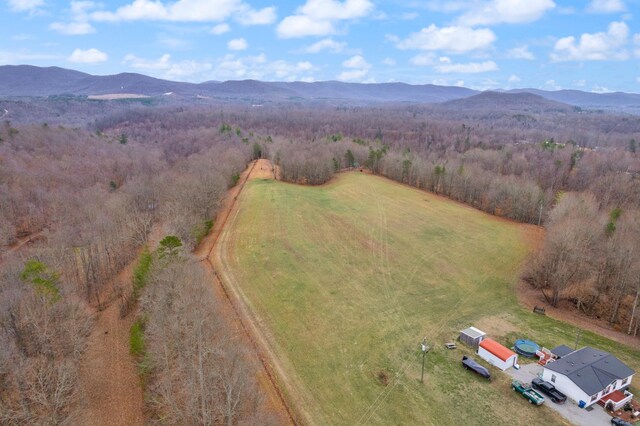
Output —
(591, 45)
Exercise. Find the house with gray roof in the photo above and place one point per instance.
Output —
(587, 375)
(562, 350)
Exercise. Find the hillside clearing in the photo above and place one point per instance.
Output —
(346, 278)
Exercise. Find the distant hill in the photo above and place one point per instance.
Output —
(27, 80)
(615, 100)
(31, 81)
(524, 101)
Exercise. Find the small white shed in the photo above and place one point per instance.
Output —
(496, 354)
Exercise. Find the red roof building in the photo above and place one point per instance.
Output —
(496, 354)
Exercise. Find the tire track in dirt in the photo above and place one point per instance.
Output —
(270, 384)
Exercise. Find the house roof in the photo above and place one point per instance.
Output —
(561, 351)
(473, 332)
(590, 369)
(497, 349)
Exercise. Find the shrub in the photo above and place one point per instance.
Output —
(141, 272)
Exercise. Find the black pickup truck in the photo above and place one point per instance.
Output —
(472, 365)
(548, 389)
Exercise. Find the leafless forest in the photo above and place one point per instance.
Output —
(78, 201)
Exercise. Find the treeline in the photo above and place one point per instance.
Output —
(195, 370)
(590, 260)
(43, 332)
(87, 201)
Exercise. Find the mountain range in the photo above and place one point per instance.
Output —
(32, 81)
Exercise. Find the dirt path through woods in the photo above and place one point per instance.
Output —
(108, 383)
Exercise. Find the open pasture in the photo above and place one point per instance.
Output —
(345, 280)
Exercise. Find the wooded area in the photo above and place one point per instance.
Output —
(89, 196)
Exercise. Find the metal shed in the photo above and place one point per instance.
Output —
(472, 337)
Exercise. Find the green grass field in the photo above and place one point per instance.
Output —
(348, 277)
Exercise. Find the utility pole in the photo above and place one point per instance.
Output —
(425, 349)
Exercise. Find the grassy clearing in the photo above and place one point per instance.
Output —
(350, 276)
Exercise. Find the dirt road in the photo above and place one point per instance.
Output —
(109, 385)
(233, 311)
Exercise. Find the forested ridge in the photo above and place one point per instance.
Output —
(89, 196)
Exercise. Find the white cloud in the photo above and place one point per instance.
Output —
(326, 44)
(636, 42)
(357, 69)
(580, 83)
(187, 11)
(220, 29)
(89, 56)
(606, 6)
(521, 52)
(166, 68)
(332, 9)
(514, 79)
(25, 5)
(600, 89)
(356, 62)
(594, 47)
(237, 44)
(302, 26)
(318, 17)
(450, 39)
(486, 84)
(505, 12)
(259, 68)
(389, 61)
(79, 22)
(72, 28)
(264, 16)
(423, 59)
(446, 66)
(551, 85)
(80, 9)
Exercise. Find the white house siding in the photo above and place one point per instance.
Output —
(494, 360)
(567, 387)
(619, 384)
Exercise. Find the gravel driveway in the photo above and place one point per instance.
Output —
(569, 410)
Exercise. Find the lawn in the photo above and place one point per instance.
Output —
(347, 278)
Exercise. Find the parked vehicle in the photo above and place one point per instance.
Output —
(617, 421)
(548, 389)
(472, 365)
(527, 391)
